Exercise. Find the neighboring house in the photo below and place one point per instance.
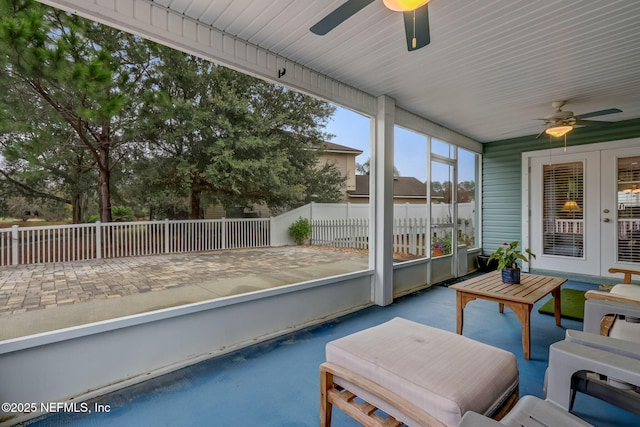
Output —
(344, 159)
(406, 189)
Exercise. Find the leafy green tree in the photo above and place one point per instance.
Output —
(72, 75)
(466, 191)
(84, 103)
(232, 138)
(46, 163)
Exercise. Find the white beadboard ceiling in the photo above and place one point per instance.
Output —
(493, 66)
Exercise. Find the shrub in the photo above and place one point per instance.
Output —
(122, 214)
(300, 230)
(92, 218)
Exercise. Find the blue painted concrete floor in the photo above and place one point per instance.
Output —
(276, 383)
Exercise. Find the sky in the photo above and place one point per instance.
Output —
(352, 130)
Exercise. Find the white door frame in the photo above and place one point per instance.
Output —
(559, 154)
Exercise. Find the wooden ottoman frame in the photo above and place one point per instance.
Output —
(365, 413)
(402, 371)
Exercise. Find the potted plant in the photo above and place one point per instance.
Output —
(507, 256)
(437, 249)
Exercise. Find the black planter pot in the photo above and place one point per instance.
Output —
(511, 276)
(485, 265)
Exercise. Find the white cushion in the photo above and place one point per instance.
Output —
(628, 329)
(629, 291)
(441, 372)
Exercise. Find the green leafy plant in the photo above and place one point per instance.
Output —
(508, 254)
(300, 230)
(92, 218)
(122, 214)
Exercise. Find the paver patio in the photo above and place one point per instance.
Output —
(41, 297)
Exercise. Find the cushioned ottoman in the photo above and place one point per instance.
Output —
(417, 374)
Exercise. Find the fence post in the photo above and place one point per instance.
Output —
(223, 225)
(14, 245)
(271, 226)
(98, 240)
(413, 235)
(166, 236)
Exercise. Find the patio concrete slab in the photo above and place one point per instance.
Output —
(44, 297)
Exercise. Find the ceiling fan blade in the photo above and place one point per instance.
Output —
(592, 123)
(598, 113)
(418, 33)
(338, 16)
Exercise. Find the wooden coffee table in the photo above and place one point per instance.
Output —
(519, 298)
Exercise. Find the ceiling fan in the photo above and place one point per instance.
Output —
(561, 122)
(416, 19)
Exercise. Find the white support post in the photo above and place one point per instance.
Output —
(382, 199)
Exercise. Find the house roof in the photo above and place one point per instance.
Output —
(403, 186)
(337, 148)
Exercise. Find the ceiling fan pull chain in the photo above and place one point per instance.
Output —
(414, 41)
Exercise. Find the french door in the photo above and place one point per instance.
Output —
(584, 208)
(620, 214)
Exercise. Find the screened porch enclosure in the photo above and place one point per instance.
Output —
(457, 105)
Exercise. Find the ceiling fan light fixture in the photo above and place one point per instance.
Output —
(558, 131)
(404, 5)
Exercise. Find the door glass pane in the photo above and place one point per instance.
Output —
(467, 198)
(441, 208)
(563, 214)
(629, 209)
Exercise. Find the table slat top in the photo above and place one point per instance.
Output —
(531, 289)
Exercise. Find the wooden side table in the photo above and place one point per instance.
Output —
(519, 298)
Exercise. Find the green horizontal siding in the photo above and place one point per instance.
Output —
(502, 177)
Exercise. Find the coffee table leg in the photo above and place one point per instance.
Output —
(556, 305)
(459, 312)
(523, 311)
(526, 335)
(461, 301)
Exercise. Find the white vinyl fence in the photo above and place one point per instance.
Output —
(338, 224)
(409, 234)
(76, 242)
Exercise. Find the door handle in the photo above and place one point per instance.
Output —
(606, 220)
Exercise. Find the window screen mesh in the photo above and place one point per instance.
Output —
(563, 213)
(629, 209)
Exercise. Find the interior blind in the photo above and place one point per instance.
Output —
(629, 209)
(563, 210)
